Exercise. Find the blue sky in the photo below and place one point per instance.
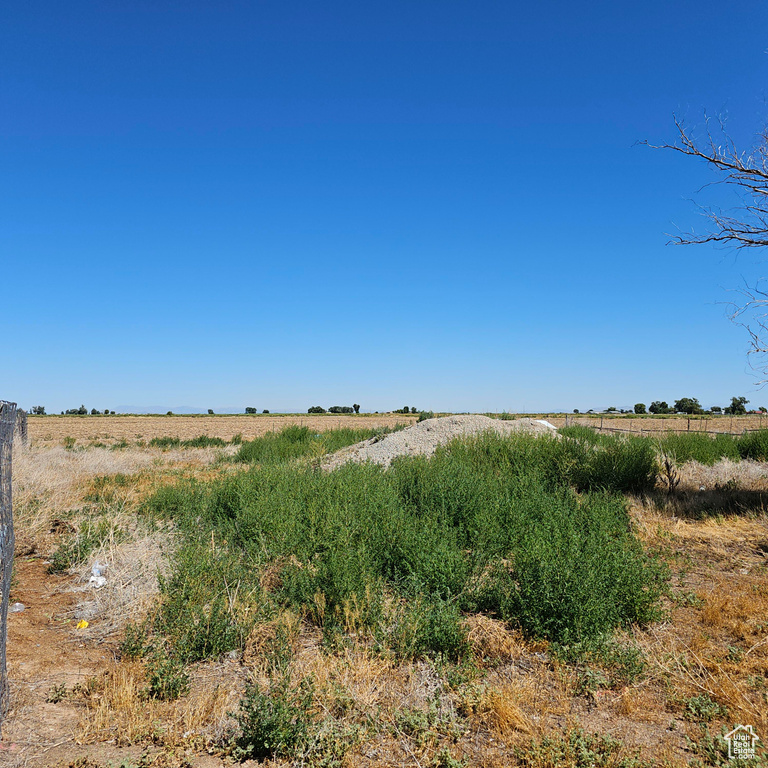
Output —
(282, 204)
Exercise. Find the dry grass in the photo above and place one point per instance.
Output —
(50, 482)
(493, 640)
(116, 707)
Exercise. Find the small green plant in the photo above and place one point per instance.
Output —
(167, 677)
(703, 709)
(274, 722)
(69, 442)
(578, 749)
(79, 547)
(135, 644)
(444, 759)
(424, 415)
(57, 694)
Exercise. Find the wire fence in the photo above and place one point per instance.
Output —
(680, 426)
(7, 429)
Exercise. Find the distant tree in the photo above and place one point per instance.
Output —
(250, 409)
(659, 406)
(413, 409)
(94, 412)
(639, 408)
(316, 409)
(38, 410)
(356, 406)
(112, 412)
(737, 406)
(716, 409)
(265, 411)
(210, 411)
(340, 409)
(688, 405)
(763, 409)
(612, 409)
(576, 410)
(170, 413)
(590, 411)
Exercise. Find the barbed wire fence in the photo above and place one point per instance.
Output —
(650, 428)
(7, 429)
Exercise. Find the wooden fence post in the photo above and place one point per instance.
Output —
(7, 428)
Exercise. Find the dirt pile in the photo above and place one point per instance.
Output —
(423, 438)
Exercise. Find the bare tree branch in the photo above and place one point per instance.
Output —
(747, 171)
(746, 226)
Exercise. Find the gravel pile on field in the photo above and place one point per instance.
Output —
(423, 438)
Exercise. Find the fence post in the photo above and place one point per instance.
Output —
(601, 423)
(21, 426)
(7, 427)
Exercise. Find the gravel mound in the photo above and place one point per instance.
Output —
(423, 438)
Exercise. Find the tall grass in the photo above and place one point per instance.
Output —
(489, 524)
(686, 446)
(706, 449)
(295, 441)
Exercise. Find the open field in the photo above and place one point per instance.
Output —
(370, 619)
(52, 430)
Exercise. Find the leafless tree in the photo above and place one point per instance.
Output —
(744, 226)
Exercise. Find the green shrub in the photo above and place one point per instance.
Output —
(165, 442)
(203, 441)
(703, 709)
(424, 415)
(166, 676)
(275, 722)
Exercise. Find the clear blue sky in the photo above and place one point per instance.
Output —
(283, 204)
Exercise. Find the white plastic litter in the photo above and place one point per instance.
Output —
(96, 569)
(98, 581)
(17, 608)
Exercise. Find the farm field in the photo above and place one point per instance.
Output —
(52, 430)
(509, 601)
